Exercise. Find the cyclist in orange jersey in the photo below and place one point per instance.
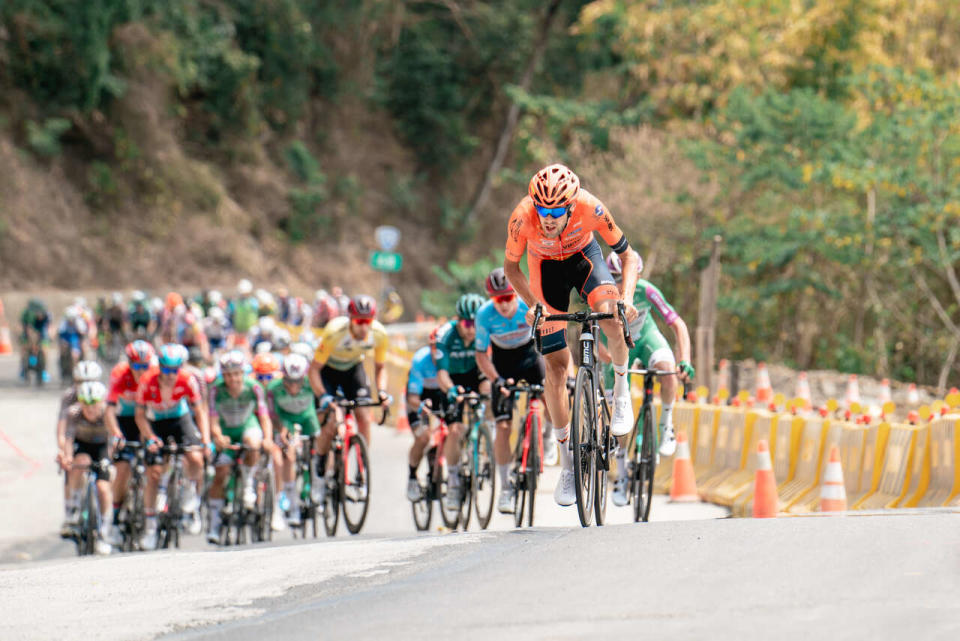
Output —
(554, 224)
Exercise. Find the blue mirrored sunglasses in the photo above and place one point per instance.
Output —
(139, 366)
(264, 377)
(169, 370)
(553, 212)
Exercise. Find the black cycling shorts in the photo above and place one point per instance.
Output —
(351, 383)
(584, 271)
(183, 431)
(522, 363)
(128, 426)
(97, 452)
(438, 403)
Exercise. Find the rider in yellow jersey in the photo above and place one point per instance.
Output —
(338, 366)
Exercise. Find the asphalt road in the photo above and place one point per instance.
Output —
(686, 575)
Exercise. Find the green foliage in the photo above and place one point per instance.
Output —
(44, 138)
(458, 279)
(102, 187)
(308, 212)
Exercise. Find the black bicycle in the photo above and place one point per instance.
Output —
(477, 467)
(590, 439)
(87, 529)
(642, 453)
(131, 519)
(306, 476)
(433, 479)
(240, 524)
(169, 502)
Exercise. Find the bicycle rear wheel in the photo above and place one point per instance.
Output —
(466, 483)
(519, 478)
(484, 476)
(582, 435)
(646, 467)
(356, 491)
(422, 508)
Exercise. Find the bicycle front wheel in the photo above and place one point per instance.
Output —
(332, 497)
(484, 475)
(582, 435)
(89, 521)
(265, 506)
(423, 507)
(646, 467)
(533, 467)
(356, 480)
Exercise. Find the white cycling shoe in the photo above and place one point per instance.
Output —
(191, 502)
(565, 493)
(452, 500)
(277, 523)
(213, 536)
(669, 444)
(620, 492)
(622, 421)
(505, 502)
(149, 539)
(550, 452)
(102, 548)
(413, 490)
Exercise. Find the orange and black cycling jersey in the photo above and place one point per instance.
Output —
(588, 215)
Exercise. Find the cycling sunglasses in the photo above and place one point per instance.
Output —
(362, 321)
(552, 212)
(504, 298)
(139, 366)
(264, 378)
(467, 323)
(169, 370)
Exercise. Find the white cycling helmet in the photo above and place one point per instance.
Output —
(91, 392)
(71, 313)
(216, 314)
(244, 287)
(281, 339)
(302, 349)
(214, 297)
(267, 325)
(234, 360)
(156, 304)
(138, 296)
(295, 367)
(117, 298)
(87, 371)
(264, 347)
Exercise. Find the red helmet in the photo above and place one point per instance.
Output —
(498, 284)
(362, 307)
(554, 186)
(140, 352)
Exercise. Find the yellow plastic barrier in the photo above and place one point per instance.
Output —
(685, 416)
(919, 477)
(944, 471)
(806, 462)
(725, 491)
(702, 450)
(785, 447)
(895, 470)
(730, 454)
(864, 457)
(832, 434)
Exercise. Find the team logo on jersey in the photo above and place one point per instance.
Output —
(598, 211)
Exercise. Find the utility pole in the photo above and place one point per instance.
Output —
(707, 318)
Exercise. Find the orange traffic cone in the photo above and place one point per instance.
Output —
(833, 495)
(764, 485)
(853, 391)
(683, 484)
(764, 389)
(5, 345)
(723, 376)
(885, 396)
(403, 423)
(803, 390)
(913, 396)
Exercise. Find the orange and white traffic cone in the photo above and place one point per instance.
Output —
(764, 485)
(885, 395)
(913, 396)
(853, 391)
(764, 389)
(833, 495)
(803, 390)
(683, 484)
(723, 377)
(403, 423)
(6, 346)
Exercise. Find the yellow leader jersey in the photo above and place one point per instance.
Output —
(340, 350)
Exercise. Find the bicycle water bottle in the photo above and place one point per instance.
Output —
(283, 502)
(162, 497)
